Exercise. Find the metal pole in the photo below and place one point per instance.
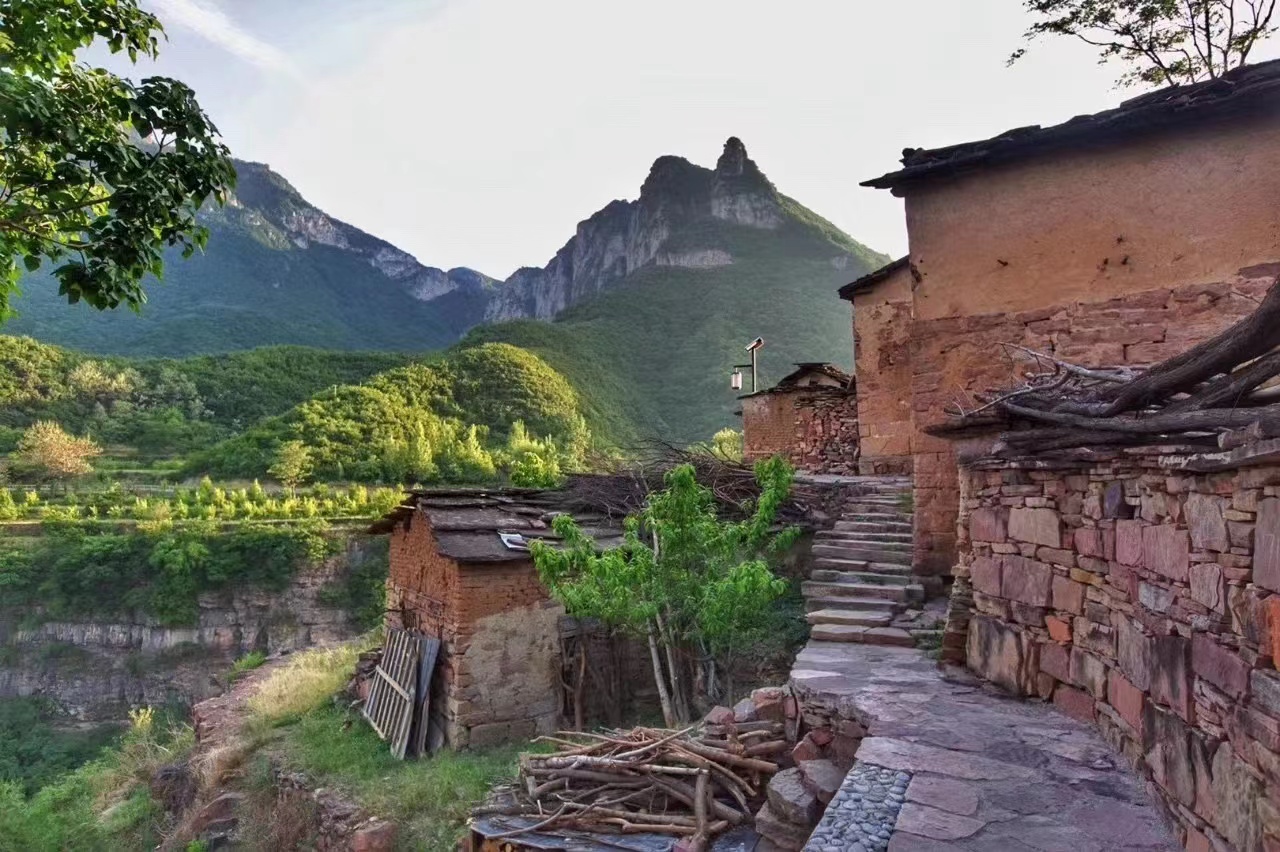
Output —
(753, 371)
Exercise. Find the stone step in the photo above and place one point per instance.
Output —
(855, 617)
(877, 514)
(853, 540)
(903, 593)
(847, 603)
(822, 778)
(862, 553)
(864, 635)
(838, 536)
(835, 564)
(826, 575)
(873, 527)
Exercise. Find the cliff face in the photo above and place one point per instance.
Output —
(678, 203)
(97, 670)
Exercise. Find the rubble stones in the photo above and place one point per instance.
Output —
(789, 799)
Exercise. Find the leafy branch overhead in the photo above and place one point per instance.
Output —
(100, 174)
(1164, 42)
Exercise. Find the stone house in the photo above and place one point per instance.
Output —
(810, 417)
(1116, 238)
(453, 576)
(1136, 588)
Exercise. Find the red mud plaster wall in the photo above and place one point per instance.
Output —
(952, 358)
(882, 351)
(1143, 600)
(497, 676)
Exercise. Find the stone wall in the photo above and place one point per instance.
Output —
(498, 674)
(815, 428)
(100, 669)
(1144, 599)
(954, 357)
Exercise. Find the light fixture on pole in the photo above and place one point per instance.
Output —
(735, 378)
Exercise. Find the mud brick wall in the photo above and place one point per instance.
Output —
(1145, 600)
(882, 353)
(815, 428)
(497, 678)
(954, 357)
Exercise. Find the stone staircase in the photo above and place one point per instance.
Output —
(861, 576)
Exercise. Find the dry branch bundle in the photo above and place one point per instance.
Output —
(681, 783)
(1215, 394)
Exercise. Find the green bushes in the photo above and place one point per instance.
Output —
(161, 571)
(34, 751)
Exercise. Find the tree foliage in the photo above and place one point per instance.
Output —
(47, 451)
(690, 581)
(99, 174)
(1164, 42)
(292, 465)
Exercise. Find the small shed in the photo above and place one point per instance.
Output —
(810, 417)
(461, 571)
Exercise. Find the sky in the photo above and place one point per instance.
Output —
(480, 132)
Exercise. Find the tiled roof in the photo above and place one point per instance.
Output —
(1249, 91)
(872, 278)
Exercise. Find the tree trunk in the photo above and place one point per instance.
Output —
(664, 698)
(580, 683)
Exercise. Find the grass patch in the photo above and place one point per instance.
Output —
(305, 683)
(430, 799)
(244, 665)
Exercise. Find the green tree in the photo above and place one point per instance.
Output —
(292, 465)
(727, 444)
(685, 579)
(99, 174)
(47, 451)
(1164, 42)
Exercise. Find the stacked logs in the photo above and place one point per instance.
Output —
(1219, 394)
(647, 780)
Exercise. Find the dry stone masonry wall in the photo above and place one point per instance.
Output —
(1144, 599)
(816, 428)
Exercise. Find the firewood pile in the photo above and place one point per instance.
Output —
(1220, 394)
(688, 783)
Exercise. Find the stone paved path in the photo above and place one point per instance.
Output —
(983, 771)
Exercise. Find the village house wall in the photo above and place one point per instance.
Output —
(882, 352)
(497, 677)
(815, 427)
(1143, 599)
(1084, 248)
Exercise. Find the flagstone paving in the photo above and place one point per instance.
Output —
(949, 763)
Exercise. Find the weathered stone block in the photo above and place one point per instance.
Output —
(1207, 585)
(790, 800)
(984, 573)
(1205, 522)
(1237, 793)
(1038, 526)
(1134, 652)
(1088, 541)
(1074, 702)
(1059, 628)
(1221, 666)
(1168, 744)
(1171, 674)
(1068, 595)
(1266, 545)
(1167, 551)
(1055, 660)
(1265, 686)
(1088, 672)
(1129, 542)
(1002, 654)
(988, 524)
(1113, 502)
(1155, 598)
(1026, 580)
(1127, 699)
(1094, 637)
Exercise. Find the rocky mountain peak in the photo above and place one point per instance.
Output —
(734, 160)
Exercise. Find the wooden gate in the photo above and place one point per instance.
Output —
(398, 703)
